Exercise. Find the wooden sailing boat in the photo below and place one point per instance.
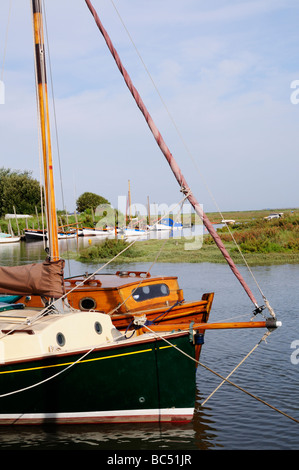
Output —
(40, 235)
(87, 288)
(131, 228)
(60, 365)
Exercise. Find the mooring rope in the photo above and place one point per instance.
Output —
(226, 379)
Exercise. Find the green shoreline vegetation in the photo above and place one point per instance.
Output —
(262, 242)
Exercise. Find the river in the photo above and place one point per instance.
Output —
(231, 419)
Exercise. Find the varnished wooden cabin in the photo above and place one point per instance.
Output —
(128, 294)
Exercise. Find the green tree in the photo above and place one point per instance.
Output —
(18, 189)
(89, 201)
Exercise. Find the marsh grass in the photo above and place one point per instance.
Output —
(261, 242)
(106, 250)
(276, 236)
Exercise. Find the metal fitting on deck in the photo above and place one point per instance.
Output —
(271, 323)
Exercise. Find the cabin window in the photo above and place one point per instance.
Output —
(87, 303)
(60, 338)
(150, 291)
(98, 327)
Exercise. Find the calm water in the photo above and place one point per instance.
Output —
(231, 420)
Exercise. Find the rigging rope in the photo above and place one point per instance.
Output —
(157, 256)
(49, 378)
(55, 122)
(6, 40)
(241, 362)
(169, 157)
(39, 153)
(189, 153)
(226, 379)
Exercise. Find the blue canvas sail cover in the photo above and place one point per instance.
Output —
(167, 221)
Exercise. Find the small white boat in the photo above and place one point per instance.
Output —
(39, 235)
(166, 224)
(228, 221)
(7, 238)
(274, 216)
(94, 232)
(132, 232)
(65, 235)
(160, 227)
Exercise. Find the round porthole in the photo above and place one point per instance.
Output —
(88, 303)
(60, 339)
(98, 327)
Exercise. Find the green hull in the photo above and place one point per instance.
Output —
(144, 381)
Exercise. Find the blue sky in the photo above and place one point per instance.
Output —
(223, 69)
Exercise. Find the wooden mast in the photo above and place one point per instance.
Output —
(148, 211)
(42, 92)
(129, 202)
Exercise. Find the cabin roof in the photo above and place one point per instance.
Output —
(116, 280)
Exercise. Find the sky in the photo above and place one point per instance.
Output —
(219, 78)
